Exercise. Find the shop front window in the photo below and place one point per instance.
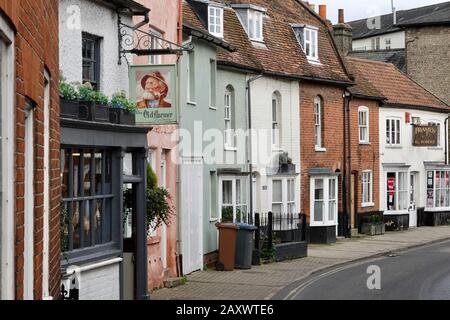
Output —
(397, 191)
(438, 189)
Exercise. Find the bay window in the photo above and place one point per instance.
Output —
(397, 190)
(324, 201)
(233, 199)
(283, 196)
(438, 189)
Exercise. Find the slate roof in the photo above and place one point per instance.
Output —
(281, 54)
(437, 14)
(395, 56)
(383, 80)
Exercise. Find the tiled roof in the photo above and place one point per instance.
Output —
(281, 53)
(379, 79)
(429, 15)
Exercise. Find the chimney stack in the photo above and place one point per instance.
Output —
(323, 11)
(341, 16)
(343, 34)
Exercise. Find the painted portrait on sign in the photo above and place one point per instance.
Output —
(154, 89)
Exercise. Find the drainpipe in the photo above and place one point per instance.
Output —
(347, 165)
(249, 149)
(446, 140)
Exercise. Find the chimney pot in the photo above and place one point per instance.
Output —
(341, 16)
(323, 11)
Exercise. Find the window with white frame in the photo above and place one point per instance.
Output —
(438, 189)
(215, 21)
(255, 25)
(375, 43)
(233, 199)
(311, 43)
(283, 196)
(393, 132)
(191, 77)
(363, 124)
(276, 120)
(324, 201)
(367, 188)
(228, 117)
(438, 125)
(318, 120)
(155, 43)
(388, 44)
(397, 190)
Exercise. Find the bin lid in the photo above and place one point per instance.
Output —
(227, 226)
(245, 226)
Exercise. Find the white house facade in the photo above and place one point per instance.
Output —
(411, 176)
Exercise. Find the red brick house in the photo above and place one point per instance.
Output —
(30, 139)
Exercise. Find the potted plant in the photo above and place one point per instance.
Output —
(122, 110)
(285, 163)
(159, 209)
(93, 104)
(69, 106)
(373, 225)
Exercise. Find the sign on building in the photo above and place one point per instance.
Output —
(425, 135)
(154, 89)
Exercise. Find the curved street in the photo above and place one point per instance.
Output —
(417, 274)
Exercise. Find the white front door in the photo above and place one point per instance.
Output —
(192, 215)
(413, 200)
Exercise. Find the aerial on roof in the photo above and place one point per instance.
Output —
(436, 14)
(279, 53)
(383, 80)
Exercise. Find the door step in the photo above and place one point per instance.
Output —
(356, 234)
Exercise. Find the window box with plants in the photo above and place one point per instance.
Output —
(373, 225)
(122, 110)
(285, 164)
(94, 105)
(69, 105)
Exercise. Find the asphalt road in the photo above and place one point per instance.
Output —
(418, 274)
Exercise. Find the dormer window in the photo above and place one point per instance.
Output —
(255, 25)
(251, 18)
(215, 21)
(307, 36)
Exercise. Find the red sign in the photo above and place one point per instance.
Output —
(391, 186)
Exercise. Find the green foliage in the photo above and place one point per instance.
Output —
(372, 219)
(67, 91)
(184, 280)
(227, 215)
(284, 158)
(99, 98)
(268, 253)
(152, 179)
(86, 92)
(120, 101)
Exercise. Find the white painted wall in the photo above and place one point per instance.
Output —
(261, 95)
(407, 153)
(101, 284)
(99, 21)
(397, 41)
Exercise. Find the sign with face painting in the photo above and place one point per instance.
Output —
(154, 89)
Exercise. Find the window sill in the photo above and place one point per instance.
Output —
(394, 147)
(395, 212)
(231, 149)
(314, 61)
(368, 205)
(190, 103)
(365, 143)
(436, 148)
(213, 108)
(440, 209)
(320, 149)
(277, 149)
(315, 225)
(213, 220)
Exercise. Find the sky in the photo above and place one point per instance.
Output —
(359, 9)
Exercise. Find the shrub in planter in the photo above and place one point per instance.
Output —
(69, 106)
(122, 110)
(93, 104)
(373, 226)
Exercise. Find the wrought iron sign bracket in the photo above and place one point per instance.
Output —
(134, 41)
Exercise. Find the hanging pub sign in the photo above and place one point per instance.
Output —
(154, 89)
(425, 135)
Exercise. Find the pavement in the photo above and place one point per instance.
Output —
(264, 282)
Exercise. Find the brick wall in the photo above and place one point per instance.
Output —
(36, 49)
(333, 136)
(428, 59)
(365, 156)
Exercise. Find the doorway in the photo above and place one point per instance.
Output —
(413, 187)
